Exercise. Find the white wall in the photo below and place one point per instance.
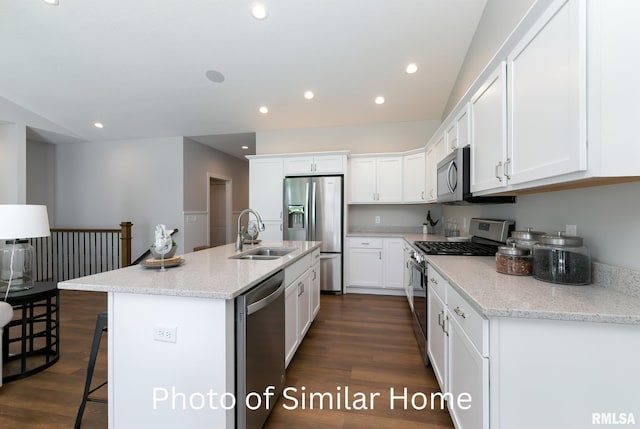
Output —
(389, 137)
(499, 19)
(607, 218)
(100, 184)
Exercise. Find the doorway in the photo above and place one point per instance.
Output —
(219, 211)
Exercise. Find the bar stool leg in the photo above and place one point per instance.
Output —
(101, 326)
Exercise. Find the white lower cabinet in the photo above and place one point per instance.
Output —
(301, 301)
(468, 380)
(437, 337)
(458, 347)
(376, 265)
(315, 284)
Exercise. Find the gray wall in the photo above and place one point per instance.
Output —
(100, 184)
(389, 137)
(41, 175)
(607, 218)
(499, 19)
(200, 160)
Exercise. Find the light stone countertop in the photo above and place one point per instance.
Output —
(500, 295)
(208, 273)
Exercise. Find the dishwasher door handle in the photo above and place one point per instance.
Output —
(259, 305)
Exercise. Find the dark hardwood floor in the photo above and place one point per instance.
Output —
(362, 342)
(365, 343)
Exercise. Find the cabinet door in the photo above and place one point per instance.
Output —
(363, 180)
(291, 340)
(434, 154)
(304, 304)
(315, 288)
(451, 137)
(437, 338)
(547, 112)
(414, 178)
(266, 187)
(393, 263)
(389, 179)
(298, 165)
(408, 287)
(324, 164)
(468, 372)
(365, 267)
(462, 125)
(489, 133)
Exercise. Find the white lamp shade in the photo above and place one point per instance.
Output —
(23, 221)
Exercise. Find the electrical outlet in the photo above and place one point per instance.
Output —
(165, 333)
(571, 230)
(377, 219)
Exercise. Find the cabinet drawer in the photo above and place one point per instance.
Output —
(365, 243)
(438, 284)
(473, 324)
(294, 271)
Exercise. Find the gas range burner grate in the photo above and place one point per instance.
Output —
(456, 248)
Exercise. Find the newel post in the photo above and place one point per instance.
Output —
(125, 237)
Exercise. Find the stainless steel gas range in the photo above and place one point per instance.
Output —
(487, 236)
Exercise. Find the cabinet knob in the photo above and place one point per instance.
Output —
(434, 281)
(459, 312)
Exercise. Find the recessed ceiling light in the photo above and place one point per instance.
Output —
(309, 95)
(379, 99)
(51, 2)
(98, 125)
(258, 11)
(411, 68)
(263, 109)
(214, 76)
(245, 147)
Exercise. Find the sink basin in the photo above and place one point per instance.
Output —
(255, 257)
(264, 253)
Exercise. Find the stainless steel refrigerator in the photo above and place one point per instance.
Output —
(313, 208)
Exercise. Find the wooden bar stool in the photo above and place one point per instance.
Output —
(101, 326)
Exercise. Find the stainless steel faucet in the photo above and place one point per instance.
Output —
(239, 239)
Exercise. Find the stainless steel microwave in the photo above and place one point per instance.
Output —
(454, 178)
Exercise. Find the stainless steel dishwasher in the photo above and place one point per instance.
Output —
(260, 353)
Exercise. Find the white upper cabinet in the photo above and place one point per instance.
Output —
(488, 110)
(415, 177)
(266, 187)
(314, 164)
(435, 153)
(462, 127)
(546, 117)
(376, 179)
(546, 94)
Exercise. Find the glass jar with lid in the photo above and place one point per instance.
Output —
(559, 258)
(16, 262)
(526, 238)
(513, 260)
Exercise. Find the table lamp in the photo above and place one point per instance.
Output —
(20, 221)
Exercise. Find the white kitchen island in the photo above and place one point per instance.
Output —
(189, 382)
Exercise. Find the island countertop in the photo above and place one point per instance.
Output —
(207, 273)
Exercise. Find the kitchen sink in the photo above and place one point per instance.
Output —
(264, 253)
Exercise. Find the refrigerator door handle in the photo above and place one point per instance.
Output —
(312, 211)
(307, 224)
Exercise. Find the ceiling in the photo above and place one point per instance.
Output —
(139, 67)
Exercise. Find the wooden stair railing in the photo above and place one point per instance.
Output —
(75, 252)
